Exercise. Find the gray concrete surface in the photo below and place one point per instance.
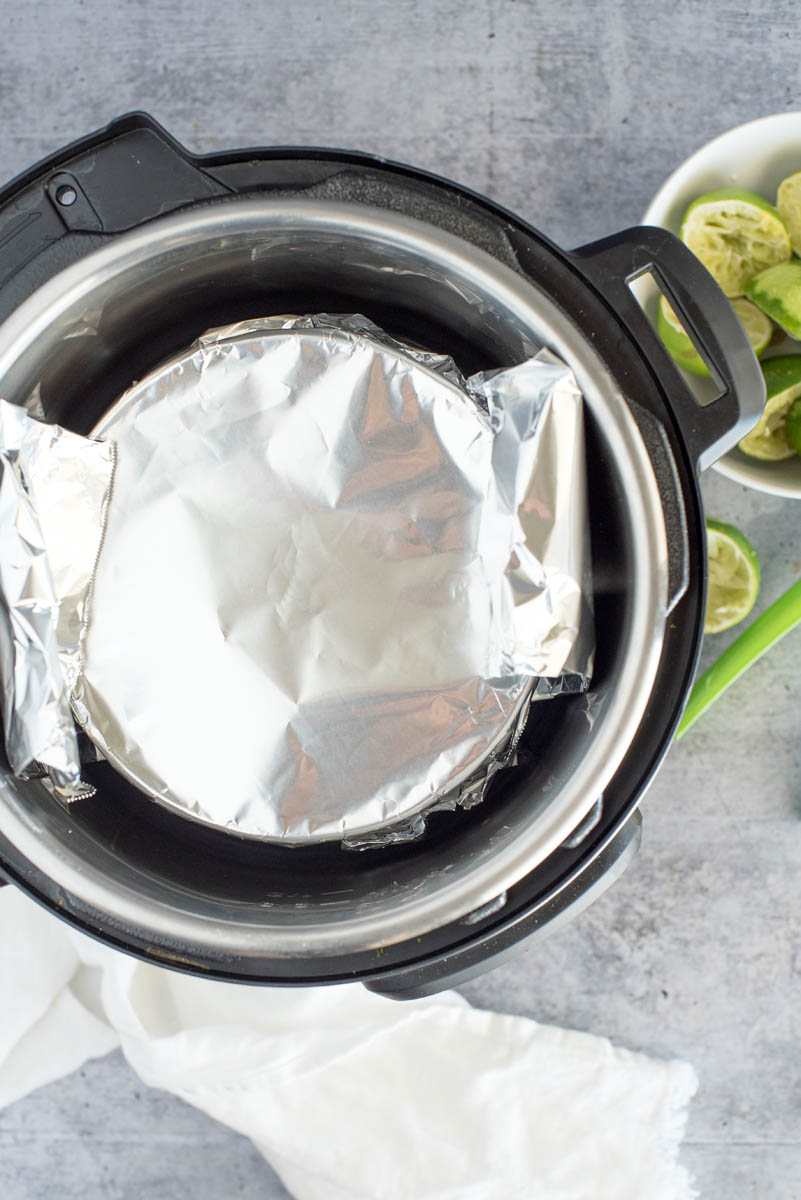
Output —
(572, 113)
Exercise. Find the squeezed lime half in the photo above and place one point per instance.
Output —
(768, 439)
(733, 576)
(758, 329)
(777, 292)
(788, 204)
(736, 234)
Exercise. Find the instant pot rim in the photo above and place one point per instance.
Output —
(491, 887)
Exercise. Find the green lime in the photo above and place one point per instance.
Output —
(678, 343)
(792, 426)
(777, 292)
(758, 328)
(736, 234)
(768, 439)
(788, 202)
(733, 576)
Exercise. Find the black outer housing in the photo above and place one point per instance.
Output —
(132, 172)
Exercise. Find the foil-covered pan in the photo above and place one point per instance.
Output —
(333, 576)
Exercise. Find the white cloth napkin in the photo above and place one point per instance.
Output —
(348, 1095)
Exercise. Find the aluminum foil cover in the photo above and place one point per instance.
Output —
(53, 490)
(331, 578)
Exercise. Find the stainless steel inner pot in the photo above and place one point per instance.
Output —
(138, 286)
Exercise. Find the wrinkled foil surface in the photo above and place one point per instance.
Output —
(333, 576)
(53, 490)
(302, 623)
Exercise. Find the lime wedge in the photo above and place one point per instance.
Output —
(758, 328)
(768, 439)
(777, 292)
(736, 234)
(792, 426)
(788, 202)
(733, 576)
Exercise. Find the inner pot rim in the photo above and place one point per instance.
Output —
(444, 895)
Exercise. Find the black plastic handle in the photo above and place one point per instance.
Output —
(506, 939)
(610, 265)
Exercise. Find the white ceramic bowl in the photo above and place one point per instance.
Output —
(756, 156)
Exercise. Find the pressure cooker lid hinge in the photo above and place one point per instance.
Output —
(71, 203)
(127, 174)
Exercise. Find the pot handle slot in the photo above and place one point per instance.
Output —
(495, 943)
(612, 264)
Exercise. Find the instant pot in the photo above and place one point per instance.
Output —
(115, 254)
